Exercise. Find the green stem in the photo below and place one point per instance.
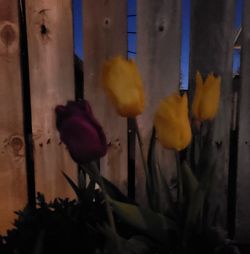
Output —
(179, 179)
(108, 208)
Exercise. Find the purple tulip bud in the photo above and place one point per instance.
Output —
(80, 131)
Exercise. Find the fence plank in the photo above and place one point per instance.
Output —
(243, 187)
(12, 152)
(211, 46)
(50, 45)
(158, 57)
(105, 36)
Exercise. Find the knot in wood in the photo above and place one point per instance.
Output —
(115, 145)
(161, 28)
(162, 25)
(8, 35)
(17, 144)
(44, 32)
(106, 22)
(43, 29)
(218, 144)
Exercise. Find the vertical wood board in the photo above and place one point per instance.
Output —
(243, 187)
(105, 36)
(158, 57)
(211, 48)
(12, 147)
(50, 47)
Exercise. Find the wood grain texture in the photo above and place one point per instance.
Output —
(50, 46)
(158, 57)
(105, 36)
(211, 47)
(243, 187)
(12, 147)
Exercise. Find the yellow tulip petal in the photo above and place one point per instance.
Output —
(123, 84)
(172, 123)
(206, 97)
(210, 100)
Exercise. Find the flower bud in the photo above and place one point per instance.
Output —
(206, 97)
(123, 84)
(172, 123)
(80, 131)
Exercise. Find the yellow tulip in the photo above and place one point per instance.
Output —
(206, 97)
(172, 123)
(123, 84)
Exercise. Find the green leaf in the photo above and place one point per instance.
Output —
(148, 222)
(207, 179)
(159, 196)
(82, 180)
(195, 194)
(92, 170)
(88, 195)
(114, 192)
(207, 184)
(111, 239)
(139, 245)
(135, 245)
(158, 226)
(131, 214)
(190, 182)
(94, 173)
(152, 178)
(168, 209)
(180, 184)
(73, 185)
(194, 213)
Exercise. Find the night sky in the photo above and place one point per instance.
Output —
(78, 35)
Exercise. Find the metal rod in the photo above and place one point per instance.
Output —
(31, 190)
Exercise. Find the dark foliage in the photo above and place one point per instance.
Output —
(62, 226)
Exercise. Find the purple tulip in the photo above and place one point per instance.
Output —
(80, 131)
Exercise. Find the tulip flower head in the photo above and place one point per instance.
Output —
(206, 97)
(80, 131)
(123, 84)
(172, 123)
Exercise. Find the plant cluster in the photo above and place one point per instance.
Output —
(105, 220)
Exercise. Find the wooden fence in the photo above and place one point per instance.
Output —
(37, 73)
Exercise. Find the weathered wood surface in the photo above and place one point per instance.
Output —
(105, 36)
(211, 46)
(243, 186)
(12, 147)
(158, 57)
(50, 46)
